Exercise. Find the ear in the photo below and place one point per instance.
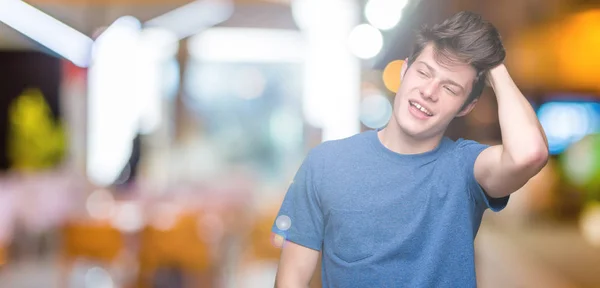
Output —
(467, 109)
(404, 68)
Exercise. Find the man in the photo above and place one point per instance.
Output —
(401, 206)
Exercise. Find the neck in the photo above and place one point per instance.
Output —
(393, 138)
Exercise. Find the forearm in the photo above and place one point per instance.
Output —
(280, 284)
(282, 281)
(523, 138)
(290, 275)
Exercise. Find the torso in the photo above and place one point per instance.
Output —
(395, 219)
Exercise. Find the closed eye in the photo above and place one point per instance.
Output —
(422, 73)
(449, 90)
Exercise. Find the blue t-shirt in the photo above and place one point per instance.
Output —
(383, 219)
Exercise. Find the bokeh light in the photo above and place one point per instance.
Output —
(286, 129)
(251, 83)
(128, 217)
(568, 122)
(375, 111)
(581, 163)
(97, 277)
(589, 223)
(391, 75)
(165, 216)
(576, 49)
(283, 222)
(365, 41)
(384, 14)
(115, 114)
(100, 204)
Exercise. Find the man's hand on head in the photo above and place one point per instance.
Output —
(493, 74)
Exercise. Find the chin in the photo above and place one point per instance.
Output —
(408, 126)
(412, 131)
(415, 130)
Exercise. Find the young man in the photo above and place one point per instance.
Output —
(400, 206)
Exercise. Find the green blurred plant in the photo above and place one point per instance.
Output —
(581, 166)
(35, 140)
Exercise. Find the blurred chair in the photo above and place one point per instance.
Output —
(178, 248)
(95, 241)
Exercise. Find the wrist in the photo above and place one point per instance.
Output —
(497, 74)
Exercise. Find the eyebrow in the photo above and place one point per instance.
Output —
(449, 81)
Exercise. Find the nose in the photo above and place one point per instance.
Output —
(428, 91)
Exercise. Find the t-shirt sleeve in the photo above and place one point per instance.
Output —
(300, 218)
(468, 151)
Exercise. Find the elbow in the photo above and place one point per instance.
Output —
(540, 156)
(534, 160)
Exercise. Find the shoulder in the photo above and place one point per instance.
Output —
(334, 149)
(463, 146)
(462, 153)
(461, 143)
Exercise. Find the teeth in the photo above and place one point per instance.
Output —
(421, 108)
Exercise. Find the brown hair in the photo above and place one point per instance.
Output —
(464, 37)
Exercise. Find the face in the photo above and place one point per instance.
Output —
(431, 95)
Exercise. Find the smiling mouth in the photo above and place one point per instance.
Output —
(420, 108)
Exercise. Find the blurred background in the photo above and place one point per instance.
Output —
(150, 143)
